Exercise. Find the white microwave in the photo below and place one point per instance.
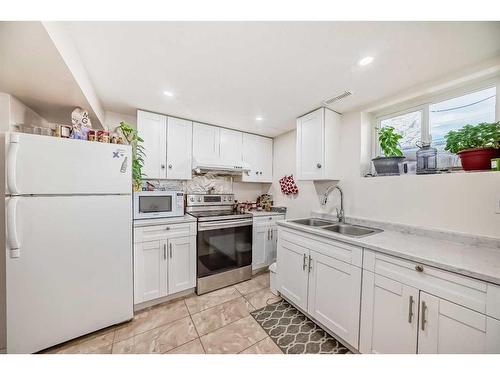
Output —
(158, 204)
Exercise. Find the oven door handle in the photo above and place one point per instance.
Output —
(224, 224)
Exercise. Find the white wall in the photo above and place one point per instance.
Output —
(461, 202)
(14, 112)
(113, 119)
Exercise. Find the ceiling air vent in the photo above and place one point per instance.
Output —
(330, 101)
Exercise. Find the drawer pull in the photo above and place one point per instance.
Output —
(310, 263)
(304, 263)
(419, 268)
(164, 251)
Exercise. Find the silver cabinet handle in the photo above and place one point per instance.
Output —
(419, 268)
(423, 321)
(310, 263)
(410, 309)
(270, 230)
(304, 263)
(170, 166)
(164, 251)
(163, 166)
(318, 165)
(170, 248)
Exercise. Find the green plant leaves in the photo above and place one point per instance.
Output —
(389, 141)
(473, 136)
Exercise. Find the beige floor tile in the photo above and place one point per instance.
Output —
(192, 347)
(218, 316)
(95, 343)
(257, 283)
(152, 318)
(234, 337)
(198, 303)
(158, 340)
(266, 346)
(261, 298)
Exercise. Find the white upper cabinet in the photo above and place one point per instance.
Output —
(152, 128)
(258, 156)
(231, 143)
(318, 141)
(167, 146)
(206, 144)
(179, 145)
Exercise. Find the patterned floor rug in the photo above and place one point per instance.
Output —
(294, 333)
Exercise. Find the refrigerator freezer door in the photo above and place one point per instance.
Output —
(48, 165)
(73, 274)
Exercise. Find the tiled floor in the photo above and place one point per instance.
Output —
(217, 322)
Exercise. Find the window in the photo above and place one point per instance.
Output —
(453, 114)
(432, 121)
(409, 125)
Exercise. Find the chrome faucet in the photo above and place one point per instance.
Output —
(340, 213)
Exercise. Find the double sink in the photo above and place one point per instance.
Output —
(341, 228)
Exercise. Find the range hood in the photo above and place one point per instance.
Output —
(220, 168)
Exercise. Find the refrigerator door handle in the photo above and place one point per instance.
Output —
(11, 168)
(13, 241)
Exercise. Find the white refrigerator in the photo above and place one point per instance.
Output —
(68, 239)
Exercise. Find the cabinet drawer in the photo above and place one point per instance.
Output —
(267, 220)
(331, 248)
(155, 232)
(456, 288)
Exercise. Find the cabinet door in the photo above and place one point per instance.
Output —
(293, 274)
(335, 295)
(310, 145)
(150, 270)
(231, 143)
(179, 149)
(181, 264)
(258, 154)
(389, 316)
(153, 129)
(206, 143)
(272, 244)
(259, 244)
(446, 327)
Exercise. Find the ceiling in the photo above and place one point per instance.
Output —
(32, 70)
(229, 73)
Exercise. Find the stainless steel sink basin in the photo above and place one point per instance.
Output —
(351, 230)
(312, 222)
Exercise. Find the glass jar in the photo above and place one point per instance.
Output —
(426, 159)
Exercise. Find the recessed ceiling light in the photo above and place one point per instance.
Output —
(168, 93)
(259, 118)
(365, 60)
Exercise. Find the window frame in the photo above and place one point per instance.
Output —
(424, 103)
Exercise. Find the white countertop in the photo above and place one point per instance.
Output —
(162, 221)
(479, 262)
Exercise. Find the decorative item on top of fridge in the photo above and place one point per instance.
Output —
(80, 122)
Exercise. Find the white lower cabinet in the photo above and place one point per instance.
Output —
(334, 295)
(164, 260)
(411, 308)
(389, 319)
(312, 276)
(265, 238)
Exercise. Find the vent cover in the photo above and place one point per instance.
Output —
(330, 101)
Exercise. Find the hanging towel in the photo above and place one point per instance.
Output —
(288, 185)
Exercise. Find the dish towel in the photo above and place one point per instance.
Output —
(288, 185)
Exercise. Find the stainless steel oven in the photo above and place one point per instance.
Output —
(158, 204)
(224, 242)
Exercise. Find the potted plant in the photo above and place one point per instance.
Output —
(388, 165)
(475, 144)
(135, 141)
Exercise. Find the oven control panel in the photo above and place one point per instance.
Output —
(209, 199)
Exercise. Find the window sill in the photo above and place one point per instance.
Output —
(456, 172)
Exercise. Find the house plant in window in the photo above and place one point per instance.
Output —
(388, 165)
(475, 144)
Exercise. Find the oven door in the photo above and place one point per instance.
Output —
(223, 245)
